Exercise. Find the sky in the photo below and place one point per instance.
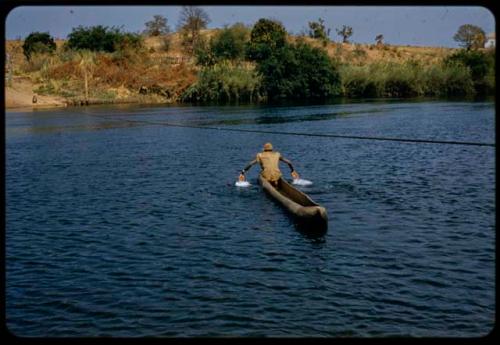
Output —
(400, 25)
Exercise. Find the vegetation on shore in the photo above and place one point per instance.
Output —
(240, 63)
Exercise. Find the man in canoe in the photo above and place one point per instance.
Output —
(269, 163)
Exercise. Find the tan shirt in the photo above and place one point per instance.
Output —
(269, 162)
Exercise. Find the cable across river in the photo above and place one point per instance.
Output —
(323, 135)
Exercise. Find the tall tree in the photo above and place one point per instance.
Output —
(102, 38)
(470, 36)
(345, 33)
(157, 26)
(318, 30)
(192, 20)
(266, 37)
(38, 42)
(290, 70)
(230, 42)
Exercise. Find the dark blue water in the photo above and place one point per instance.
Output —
(117, 225)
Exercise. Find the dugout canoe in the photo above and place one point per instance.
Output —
(306, 212)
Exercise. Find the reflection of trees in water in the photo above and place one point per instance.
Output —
(278, 118)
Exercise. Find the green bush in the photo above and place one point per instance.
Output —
(278, 72)
(102, 38)
(457, 81)
(225, 81)
(288, 70)
(481, 66)
(203, 53)
(230, 42)
(299, 71)
(409, 79)
(402, 80)
(360, 81)
(38, 42)
(128, 40)
(489, 78)
(477, 61)
(266, 37)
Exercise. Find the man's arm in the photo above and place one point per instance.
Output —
(287, 162)
(295, 175)
(252, 163)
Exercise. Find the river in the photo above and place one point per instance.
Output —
(120, 224)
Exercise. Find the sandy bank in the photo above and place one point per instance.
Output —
(20, 95)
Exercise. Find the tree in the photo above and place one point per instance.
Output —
(470, 36)
(192, 20)
(96, 38)
(480, 64)
(345, 33)
(379, 39)
(230, 42)
(102, 38)
(299, 71)
(290, 70)
(87, 64)
(38, 42)
(156, 27)
(317, 30)
(266, 37)
(316, 75)
(204, 54)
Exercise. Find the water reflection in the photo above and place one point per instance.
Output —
(311, 231)
(83, 127)
(278, 118)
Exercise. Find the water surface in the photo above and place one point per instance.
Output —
(119, 225)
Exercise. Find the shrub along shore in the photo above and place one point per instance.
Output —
(239, 63)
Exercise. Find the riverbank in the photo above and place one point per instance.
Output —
(21, 95)
(162, 75)
(149, 76)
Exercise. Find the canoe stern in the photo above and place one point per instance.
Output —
(316, 216)
(308, 215)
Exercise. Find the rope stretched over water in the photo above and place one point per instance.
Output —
(419, 141)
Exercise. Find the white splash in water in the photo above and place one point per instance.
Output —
(302, 182)
(242, 184)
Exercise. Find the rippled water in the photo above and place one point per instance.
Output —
(117, 225)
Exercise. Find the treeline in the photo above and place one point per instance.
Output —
(241, 63)
(97, 39)
(300, 71)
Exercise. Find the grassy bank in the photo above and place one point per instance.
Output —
(161, 72)
(137, 76)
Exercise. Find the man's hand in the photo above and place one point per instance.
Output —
(295, 175)
(242, 177)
